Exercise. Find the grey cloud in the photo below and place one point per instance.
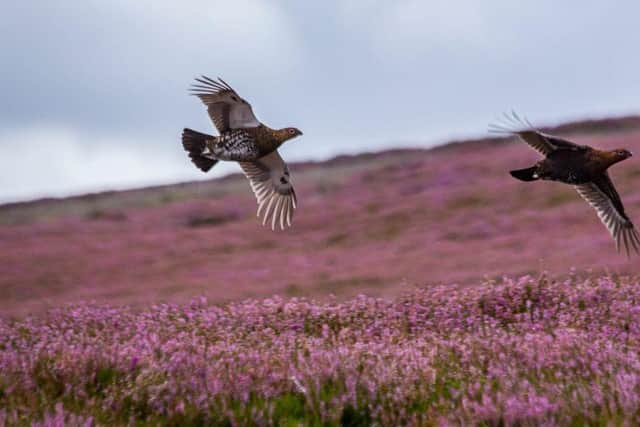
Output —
(354, 75)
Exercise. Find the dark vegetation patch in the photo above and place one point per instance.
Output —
(468, 201)
(389, 226)
(339, 286)
(106, 215)
(210, 219)
(337, 238)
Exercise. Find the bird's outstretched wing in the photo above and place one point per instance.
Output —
(226, 109)
(513, 124)
(603, 197)
(271, 183)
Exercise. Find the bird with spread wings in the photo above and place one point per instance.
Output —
(245, 140)
(583, 167)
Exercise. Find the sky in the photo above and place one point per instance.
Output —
(93, 94)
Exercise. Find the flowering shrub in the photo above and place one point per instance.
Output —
(525, 351)
(366, 224)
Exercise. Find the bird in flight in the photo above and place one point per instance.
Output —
(583, 167)
(245, 140)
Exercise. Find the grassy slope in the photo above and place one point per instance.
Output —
(373, 223)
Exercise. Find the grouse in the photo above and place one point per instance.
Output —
(245, 140)
(583, 167)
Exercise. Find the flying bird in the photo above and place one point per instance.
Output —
(583, 167)
(244, 139)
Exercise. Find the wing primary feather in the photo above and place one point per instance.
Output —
(205, 89)
(515, 116)
(261, 206)
(283, 214)
(202, 85)
(529, 123)
(266, 213)
(210, 80)
(261, 199)
(615, 229)
(276, 211)
(509, 118)
(262, 192)
(626, 242)
(288, 212)
(280, 210)
(632, 241)
(270, 207)
(261, 195)
(209, 83)
(285, 210)
(500, 122)
(226, 84)
(496, 128)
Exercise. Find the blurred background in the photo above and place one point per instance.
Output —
(94, 93)
(93, 98)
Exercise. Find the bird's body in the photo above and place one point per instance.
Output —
(245, 140)
(244, 145)
(583, 167)
(572, 166)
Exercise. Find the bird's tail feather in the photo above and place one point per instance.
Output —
(195, 143)
(528, 174)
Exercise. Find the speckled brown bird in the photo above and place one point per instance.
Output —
(583, 167)
(245, 140)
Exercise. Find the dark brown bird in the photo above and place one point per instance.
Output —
(583, 167)
(245, 140)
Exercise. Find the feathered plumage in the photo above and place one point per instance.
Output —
(583, 167)
(245, 140)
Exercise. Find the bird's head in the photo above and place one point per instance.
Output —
(621, 154)
(292, 133)
(286, 134)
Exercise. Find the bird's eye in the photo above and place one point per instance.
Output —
(292, 131)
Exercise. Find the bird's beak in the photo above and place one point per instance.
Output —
(300, 133)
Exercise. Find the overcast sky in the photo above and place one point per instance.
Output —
(93, 92)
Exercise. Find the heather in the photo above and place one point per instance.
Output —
(522, 351)
(372, 223)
